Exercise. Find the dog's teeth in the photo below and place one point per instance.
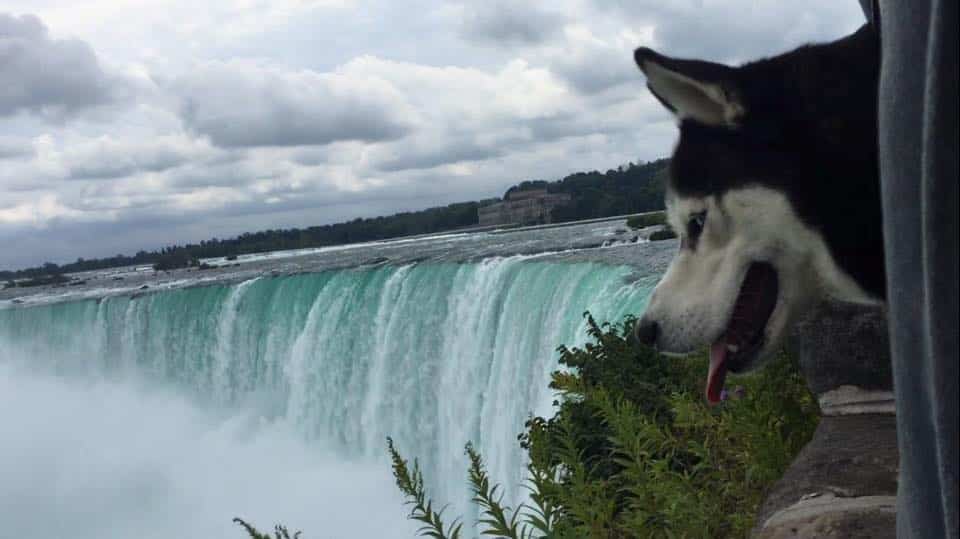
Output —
(733, 348)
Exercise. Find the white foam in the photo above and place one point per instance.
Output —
(102, 460)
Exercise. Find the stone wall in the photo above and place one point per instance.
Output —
(844, 482)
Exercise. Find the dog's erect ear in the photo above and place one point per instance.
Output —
(701, 91)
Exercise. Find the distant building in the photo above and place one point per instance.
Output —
(522, 207)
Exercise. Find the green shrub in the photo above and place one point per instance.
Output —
(647, 219)
(527, 521)
(634, 451)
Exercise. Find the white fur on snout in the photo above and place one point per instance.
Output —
(693, 302)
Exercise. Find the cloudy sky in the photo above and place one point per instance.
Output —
(128, 124)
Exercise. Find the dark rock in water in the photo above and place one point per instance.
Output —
(17, 301)
(144, 287)
(374, 261)
(118, 278)
(77, 283)
(662, 234)
(231, 257)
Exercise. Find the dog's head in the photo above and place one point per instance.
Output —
(752, 257)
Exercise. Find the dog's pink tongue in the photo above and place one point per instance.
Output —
(718, 371)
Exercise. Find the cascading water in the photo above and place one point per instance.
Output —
(432, 354)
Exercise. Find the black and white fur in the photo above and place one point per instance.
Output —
(776, 162)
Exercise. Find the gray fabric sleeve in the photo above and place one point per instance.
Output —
(918, 167)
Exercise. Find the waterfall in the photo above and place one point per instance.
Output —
(432, 354)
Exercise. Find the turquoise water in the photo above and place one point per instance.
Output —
(433, 354)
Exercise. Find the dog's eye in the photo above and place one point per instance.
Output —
(695, 225)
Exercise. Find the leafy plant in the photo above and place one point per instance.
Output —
(279, 531)
(410, 482)
(633, 450)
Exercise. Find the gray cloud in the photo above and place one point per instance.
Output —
(215, 176)
(47, 75)
(594, 75)
(736, 39)
(430, 153)
(116, 162)
(592, 66)
(736, 30)
(241, 105)
(237, 170)
(311, 156)
(12, 147)
(562, 126)
(509, 23)
(107, 157)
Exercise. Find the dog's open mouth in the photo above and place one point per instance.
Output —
(736, 348)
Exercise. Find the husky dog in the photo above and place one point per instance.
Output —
(774, 192)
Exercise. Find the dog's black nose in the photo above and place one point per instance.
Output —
(647, 332)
